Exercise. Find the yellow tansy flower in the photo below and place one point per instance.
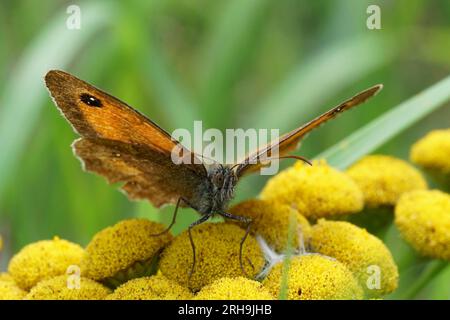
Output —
(239, 288)
(62, 288)
(124, 251)
(315, 191)
(433, 151)
(383, 179)
(43, 260)
(10, 291)
(315, 277)
(423, 218)
(363, 254)
(271, 220)
(156, 287)
(4, 276)
(217, 255)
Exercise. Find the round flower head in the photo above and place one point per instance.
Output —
(423, 218)
(10, 291)
(42, 260)
(4, 276)
(239, 288)
(362, 253)
(315, 191)
(156, 287)
(217, 255)
(124, 251)
(271, 220)
(384, 179)
(64, 288)
(432, 151)
(314, 277)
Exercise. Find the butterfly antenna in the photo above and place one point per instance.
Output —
(204, 157)
(233, 166)
(306, 160)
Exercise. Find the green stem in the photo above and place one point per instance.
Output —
(284, 285)
(430, 272)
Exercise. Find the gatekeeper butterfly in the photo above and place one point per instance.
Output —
(123, 145)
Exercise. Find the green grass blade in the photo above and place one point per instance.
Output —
(177, 103)
(22, 96)
(284, 281)
(386, 126)
(232, 41)
(319, 78)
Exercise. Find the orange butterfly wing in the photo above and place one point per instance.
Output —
(290, 141)
(121, 144)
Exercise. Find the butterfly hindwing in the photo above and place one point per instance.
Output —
(146, 173)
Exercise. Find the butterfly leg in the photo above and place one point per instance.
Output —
(195, 223)
(248, 223)
(174, 217)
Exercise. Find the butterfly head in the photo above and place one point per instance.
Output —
(223, 180)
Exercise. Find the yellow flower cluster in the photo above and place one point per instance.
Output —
(156, 287)
(121, 253)
(62, 288)
(238, 288)
(383, 179)
(10, 291)
(41, 270)
(6, 277)
(124, 251)
(217, 255)
(423, 218)
(271, 220)
(336, 260)
(43, 260)
(362, 253)
(432, 151)
(315, 191)
(314, 277)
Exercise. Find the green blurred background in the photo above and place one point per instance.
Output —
(235, 63)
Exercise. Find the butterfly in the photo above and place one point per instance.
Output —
(124, 146)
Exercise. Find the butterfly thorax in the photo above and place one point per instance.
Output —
(216, 191)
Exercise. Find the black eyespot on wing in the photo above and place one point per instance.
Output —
(90, 100)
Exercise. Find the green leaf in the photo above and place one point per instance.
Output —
(431, 270)
(386, 126)
(22, 97)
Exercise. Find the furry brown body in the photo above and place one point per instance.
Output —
(215, 193)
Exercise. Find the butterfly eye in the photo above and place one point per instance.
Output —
(218, 180)
(90, 100)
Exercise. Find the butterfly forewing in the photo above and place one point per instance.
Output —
(122, 144)
(290, 141)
